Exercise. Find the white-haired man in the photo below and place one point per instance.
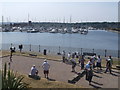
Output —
(46, 68)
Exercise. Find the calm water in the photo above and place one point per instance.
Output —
(94, 39)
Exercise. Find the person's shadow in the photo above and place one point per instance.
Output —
(95, 86)
(50, 79)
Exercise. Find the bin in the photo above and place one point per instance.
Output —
(44, 51)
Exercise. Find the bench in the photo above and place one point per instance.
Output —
(89, 54)
(32, 55)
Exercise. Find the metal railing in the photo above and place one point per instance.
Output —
(59, 49)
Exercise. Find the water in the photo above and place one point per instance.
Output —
(98, 39)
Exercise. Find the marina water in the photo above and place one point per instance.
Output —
(97, 40)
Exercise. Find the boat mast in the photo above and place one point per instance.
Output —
(2, 22)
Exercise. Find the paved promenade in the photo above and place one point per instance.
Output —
(62, 72)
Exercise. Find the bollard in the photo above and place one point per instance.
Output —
(30, 47)
(59, 49)
(93, 50)
(39, 48)
(118, 53)
(105, 52)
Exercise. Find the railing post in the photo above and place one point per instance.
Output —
(93, 50)
(39, 48)
(59, 49)
(30, 47)
(118, 53)
(105, 52)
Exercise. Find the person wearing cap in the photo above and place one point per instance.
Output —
(46, 67)
(33, 72)
(108, 64)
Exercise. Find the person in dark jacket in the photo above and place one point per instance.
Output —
(108, 64)
(90, 75)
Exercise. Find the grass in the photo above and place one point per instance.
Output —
(44, 83)
(39, 55)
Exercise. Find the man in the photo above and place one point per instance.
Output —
(21, 47)
(87, 67)
(69, 56)
(73, 64)
(46, 67)
(93, 60)
(63, 56)
(99, 60)
(82, 60)
(109, 64)
(33, 72)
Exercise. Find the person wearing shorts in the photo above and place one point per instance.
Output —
(46, 67)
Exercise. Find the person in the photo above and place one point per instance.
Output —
(99, 60)
(90, 75)
(73, 64)
(12, 49)
(111, 60)
(69, 56)
(46, 68)
(63, 56)
(21, 47)
(93, 60)
(109, 64)
(87, 66)
(82, 60)
(34, 72)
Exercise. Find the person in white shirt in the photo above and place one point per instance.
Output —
(46, 67)
(33, 72)
(99, 60)
(69, 56)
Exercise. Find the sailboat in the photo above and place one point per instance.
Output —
(83, 31)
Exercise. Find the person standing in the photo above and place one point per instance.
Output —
(87, 67)
(93, 60)
(46, 68)
(63, 56)
(90, 75)
(69, 56)
(21, 47)
(82, 60)
(99, 60)
(109, 64)
(73, 64)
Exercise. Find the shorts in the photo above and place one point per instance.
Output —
(46, 71)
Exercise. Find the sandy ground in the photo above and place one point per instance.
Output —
(62, 72)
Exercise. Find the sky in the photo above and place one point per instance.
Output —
(60, 11)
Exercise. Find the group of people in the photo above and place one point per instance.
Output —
(34, 71)
(94, 61)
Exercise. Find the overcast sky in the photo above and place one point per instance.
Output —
(58, 11)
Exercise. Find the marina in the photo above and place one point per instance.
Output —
(97, 40)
